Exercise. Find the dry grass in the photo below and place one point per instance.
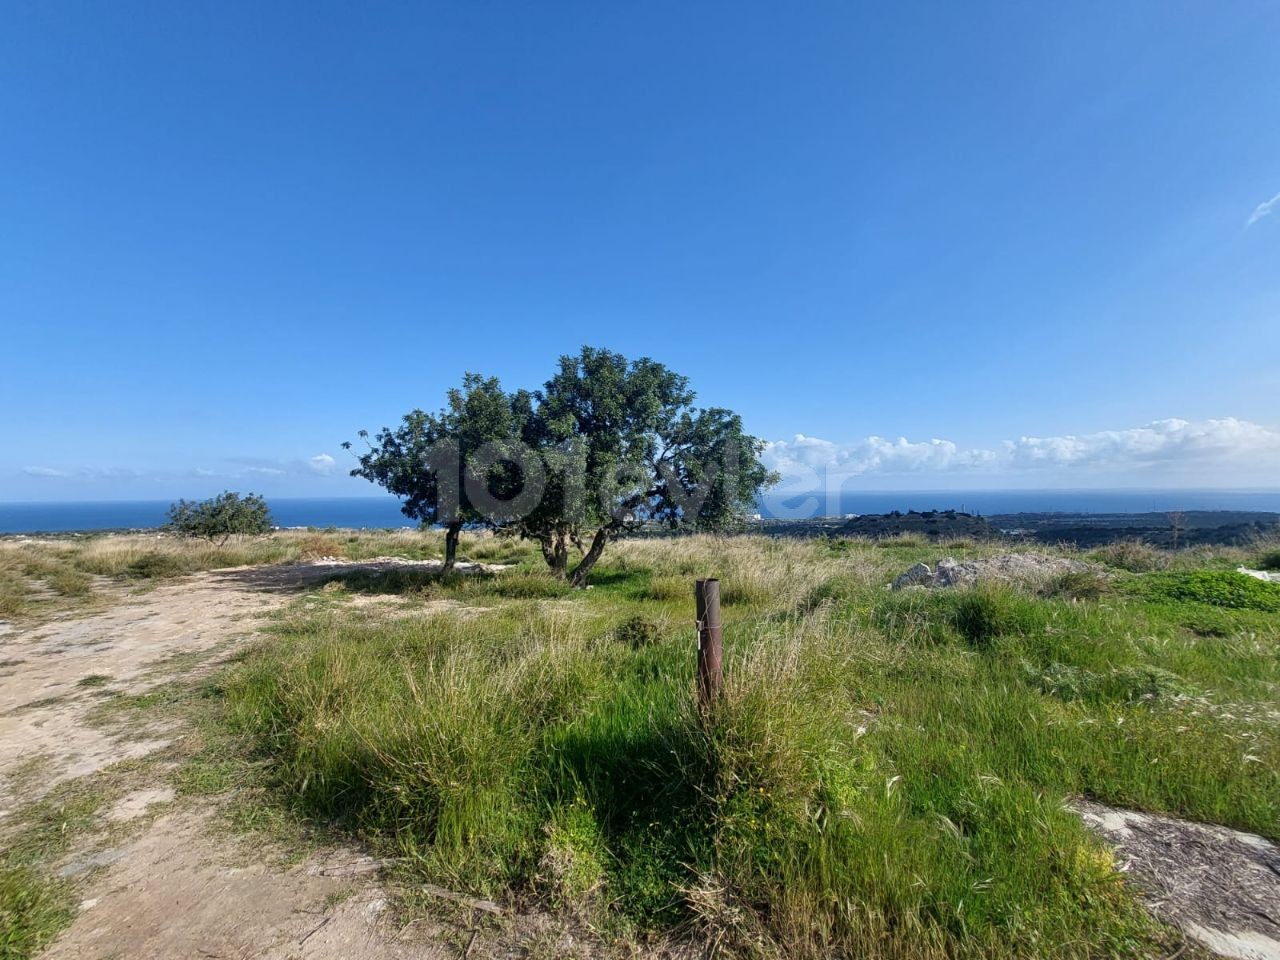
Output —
(40, 578)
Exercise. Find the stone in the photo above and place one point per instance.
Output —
(918, 575)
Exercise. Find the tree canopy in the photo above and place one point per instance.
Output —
(220, 518)
(604, 447)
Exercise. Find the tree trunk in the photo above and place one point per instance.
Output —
(555, 550)
(579, 576)
(451, 534)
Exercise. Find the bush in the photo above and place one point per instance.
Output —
(1218, 588)
(220, 518)
(1076, 585)
(984, 613)
(316, 546)
(637, 632)
(156, 566)
(1269, 560)
(1132, 555)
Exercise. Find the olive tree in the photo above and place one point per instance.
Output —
(220, 518)
(606, 446)
(421, 460)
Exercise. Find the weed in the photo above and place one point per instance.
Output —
(637, 632)
(1077, 585)
(1134, 556)
(1217, 588)
(32, 911)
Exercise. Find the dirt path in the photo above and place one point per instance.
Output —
(175, 887)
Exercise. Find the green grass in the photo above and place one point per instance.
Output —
(1218, 588)
(885, 777)
(32, 911)
(34, 904)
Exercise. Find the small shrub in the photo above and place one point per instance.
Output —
(741, 590)
(637, 632)
(317, 546)
(1218, 588)
(985, 613)
(1135, 556)
(1076, 585)
(1269, 560)
(156, 566)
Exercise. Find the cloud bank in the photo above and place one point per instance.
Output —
(1219, 451)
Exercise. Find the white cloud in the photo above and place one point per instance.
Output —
(322, 463)
(266, 471)
(44, 472)
(871, 455)
(1262, 210)
(1181, 445)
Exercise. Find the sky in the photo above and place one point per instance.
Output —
(915, 245)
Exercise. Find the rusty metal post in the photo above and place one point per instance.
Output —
(710, 642)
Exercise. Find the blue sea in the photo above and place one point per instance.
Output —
(383, 512)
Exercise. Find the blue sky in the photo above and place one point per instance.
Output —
(948, 245)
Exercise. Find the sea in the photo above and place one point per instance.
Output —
(384, 512)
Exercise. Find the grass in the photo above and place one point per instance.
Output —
(49, 577)
(32, 911)
(34, 904)
(885, 777)
(1218, 588)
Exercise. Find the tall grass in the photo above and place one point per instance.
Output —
(885, 776)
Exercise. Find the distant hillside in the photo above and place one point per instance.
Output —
(1229, 527)
(942, 524)
(1194, 527)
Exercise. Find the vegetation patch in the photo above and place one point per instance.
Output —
(885, 775)
(1218, 588)
(32, 911)
(1134, 556)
